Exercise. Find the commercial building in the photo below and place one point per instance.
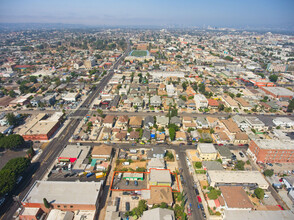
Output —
(272, 151)
(278, 92)
(284, 122)
(65, 196)
(207, 151)
(40, 128)
(133, 176)
(160, 177)
(236, 178)
(72, 152)
(70, 97)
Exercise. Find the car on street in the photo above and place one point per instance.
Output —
(199, 199)
(136, 183)
(241, 154)
(189, 209)
(127, 182)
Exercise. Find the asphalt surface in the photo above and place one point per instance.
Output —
(53, 149)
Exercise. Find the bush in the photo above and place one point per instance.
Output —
(11, 141)
(213, 194)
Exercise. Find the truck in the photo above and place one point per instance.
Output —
(119, 176)
(100, 175)
(89, 174)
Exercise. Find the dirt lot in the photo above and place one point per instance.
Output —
(133, 165)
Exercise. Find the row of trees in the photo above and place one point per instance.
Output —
(10, 172)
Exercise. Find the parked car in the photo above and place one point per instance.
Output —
(2, 200)
(189, 211)
(127, 206)
(199, 199)
(241, 154)
(135, 197)
(201, 207)
(127, 182)
(136, 183)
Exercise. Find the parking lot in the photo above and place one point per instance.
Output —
(123, 199)
(122, 184)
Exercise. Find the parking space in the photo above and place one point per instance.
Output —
(73, 177)
(129, 184)
(269, 199)
(239, 157)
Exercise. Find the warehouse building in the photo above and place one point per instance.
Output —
(40, 127)
(160, 177)
(250, 179)
(272, 150)
(65, 196)
(278, 92)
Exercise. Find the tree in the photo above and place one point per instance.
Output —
(31, 152)
(240, 165)
(213, 193)
(100, 112)
(198, 165)
(12, 119)
(184, 85)
(259, 193)
(228, 58)
(46, 203)
(291, 106)
(273, 78)
(268, 172)
(7, 181)
(221, 107)
(172, 133)
(11, 141)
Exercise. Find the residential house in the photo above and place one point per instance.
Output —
(108, 121)
(241, 138)
(230, 102)
(138, 102)
(201, 122)
(162, 121)
(122, 121)
(155, 101)
(134, 135)
(201, 101)
(101, 152)
(159, 195)
(181, 136)
(256, 123)
(207, 151)
(135, 122)
(156, 163)
(243, 104)
(157, 153)
(149, 121)
(146, 135)
(176, 120)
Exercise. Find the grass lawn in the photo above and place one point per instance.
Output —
(139, 53)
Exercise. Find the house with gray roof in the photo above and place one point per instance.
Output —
(162, 121)
(155, 101)
(149, 121)
(176, 120)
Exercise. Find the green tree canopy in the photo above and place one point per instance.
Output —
(273, 78)
(259, 193)
(268, 172)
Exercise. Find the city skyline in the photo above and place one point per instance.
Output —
(230, 13)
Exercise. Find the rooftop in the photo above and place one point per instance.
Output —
(206, 148)
(61, 192)
(275, 144)
(236, 197)
(160, 176)
(253, 215)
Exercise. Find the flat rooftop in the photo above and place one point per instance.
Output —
(254, 215)
(275, 144)
(160, 176)
(60, 192)
(279, 91)
(219, 176)
(206, 148)
(74, 151)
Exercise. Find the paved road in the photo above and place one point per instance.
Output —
(189, 186)
(53, 149)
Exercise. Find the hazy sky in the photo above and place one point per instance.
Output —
(150, 12)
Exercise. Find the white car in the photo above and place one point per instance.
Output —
(177, 156)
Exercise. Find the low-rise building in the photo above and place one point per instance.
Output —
(207, 151)
(201, 101)
(272, 151)
(252, 179)
(65, 196)
(160, 177)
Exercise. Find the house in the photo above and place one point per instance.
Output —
(160, 178)
(255, 123)
(212, 103)
(135, 122)
(158, 214)
(36, 101)
(162, 121)
(241, 122)
(243, 104)
(230, 102)
(207, 151)
(157, 153)
(181, 103)
(212, 165)
(241, 138)
(156, 163)
(149, 121)
(108, 121)
(191, 104)
(170, 89)
(101, 152)
(138, 102)
(201, 101)
(146, 135)
(159, 195)
(231, 126)
(122, 121)
(181, 136)
(201, 122)
(176, 120)
(120, 136)
(155, 101)
(134, 135)
(236, 198)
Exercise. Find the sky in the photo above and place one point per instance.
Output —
(216, 13)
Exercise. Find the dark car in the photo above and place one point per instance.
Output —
(196, 191)
(127, 182)
(136, 183)
(127, 206)
(241, 154)
(204, 215)
(201, 207)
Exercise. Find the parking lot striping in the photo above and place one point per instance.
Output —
(114, 173)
